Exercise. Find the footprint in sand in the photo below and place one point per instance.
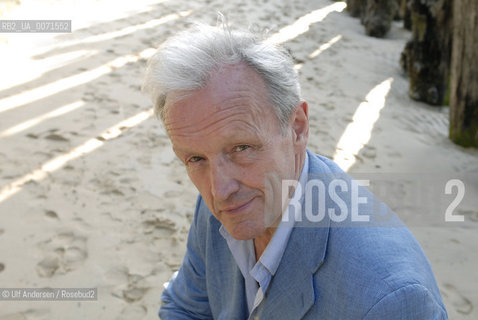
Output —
(62, 253)
(459, 302)
(132, 287)
(51, 214)
(161, 227)
(56, 137)
(133, 312)
(369, 152)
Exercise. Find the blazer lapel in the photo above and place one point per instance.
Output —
(291, 292)
(225, 278)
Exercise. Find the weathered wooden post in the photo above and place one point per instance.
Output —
(464, 75)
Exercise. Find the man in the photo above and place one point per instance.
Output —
(231, 106)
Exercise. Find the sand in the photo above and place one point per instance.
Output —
(91, 195)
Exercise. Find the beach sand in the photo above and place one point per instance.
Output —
(92, 196)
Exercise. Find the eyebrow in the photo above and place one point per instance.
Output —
(178, 150)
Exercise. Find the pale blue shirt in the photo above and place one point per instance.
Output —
(259, 274)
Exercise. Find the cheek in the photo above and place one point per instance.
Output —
(254, 176)
(199, 181)
(204, 188)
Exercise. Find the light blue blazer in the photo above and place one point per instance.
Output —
(327, 272)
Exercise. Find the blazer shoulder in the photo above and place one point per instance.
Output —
(410, 301)
(321, 164)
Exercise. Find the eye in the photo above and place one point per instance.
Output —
(240, 148)
(194, 159)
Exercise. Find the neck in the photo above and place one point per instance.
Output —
(261, 242)
(299, 163)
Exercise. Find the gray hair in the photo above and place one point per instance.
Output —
(186, 61)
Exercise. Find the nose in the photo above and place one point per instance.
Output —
(223, 182)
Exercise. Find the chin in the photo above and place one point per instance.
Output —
(244, 232)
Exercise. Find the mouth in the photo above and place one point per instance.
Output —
(239, 208)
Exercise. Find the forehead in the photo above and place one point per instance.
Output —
(234, 96)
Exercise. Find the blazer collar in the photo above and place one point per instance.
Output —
(292, 286)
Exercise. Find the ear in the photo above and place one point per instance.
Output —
(300, 124)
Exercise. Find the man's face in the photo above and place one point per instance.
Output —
(235, 153)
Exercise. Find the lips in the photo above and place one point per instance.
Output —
(236, 209)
